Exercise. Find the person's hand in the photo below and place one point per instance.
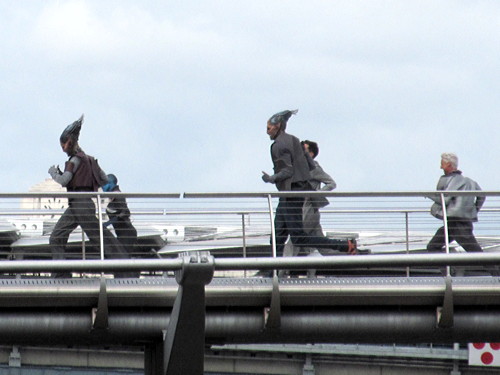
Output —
(266, 177)
(54, 171)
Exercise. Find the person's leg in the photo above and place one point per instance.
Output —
(462, 232)
(90, 225)
(59, 238)
(280, 227)
(437, 242)
(60, 234)
(310, 219)
(300, 238)
(127, 235)
(84, 210)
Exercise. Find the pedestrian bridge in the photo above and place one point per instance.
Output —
(185, 299)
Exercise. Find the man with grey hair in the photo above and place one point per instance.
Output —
(461, 210)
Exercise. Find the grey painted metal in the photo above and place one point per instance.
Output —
(89, 195)
(381, 351)
(445, 227)
(361, 261)
(101, 229)
(158, 292)
(342, 324)
(273, 313)
(154, 359)
(445, 313)
(101, 312)
(202, 195)
(271, 221)
(307, 313)
(276, 194)
(184, 346)
(331, 262)
(243, 232)
(164, 212)
(320, 311)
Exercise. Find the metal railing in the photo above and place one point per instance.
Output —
(393, 213)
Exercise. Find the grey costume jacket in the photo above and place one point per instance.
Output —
(290, 162)
(319, 176)
(463, 207)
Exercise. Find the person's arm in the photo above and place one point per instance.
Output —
(283, 168)
(64, 178)
(103, 177)
(446, 182)
(480, 199)
(320, 175)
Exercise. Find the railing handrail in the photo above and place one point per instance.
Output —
(166, 212)
(261, 195)
(278, 194)
(239, 264)
(274, 194)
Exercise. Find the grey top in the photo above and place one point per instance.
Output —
(291, 164)
(461, 207)
(319, 176)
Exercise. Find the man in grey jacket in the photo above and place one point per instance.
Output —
(461, 210)
(292, 173)
(320, 181)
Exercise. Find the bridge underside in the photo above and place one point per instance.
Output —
(253, 310)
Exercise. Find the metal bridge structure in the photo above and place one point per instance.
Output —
(185, 301)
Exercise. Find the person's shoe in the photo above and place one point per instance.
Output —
(352, 248)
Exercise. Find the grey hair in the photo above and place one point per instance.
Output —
(450, 157)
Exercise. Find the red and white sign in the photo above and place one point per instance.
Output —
(484, 354)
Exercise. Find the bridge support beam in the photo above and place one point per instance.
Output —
(445, 313)
(184, 342)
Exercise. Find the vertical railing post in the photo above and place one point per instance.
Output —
(445, 228)
(271, 218)
(243, 232)
(84, 252)
(101, 230)
(407, 241)
(244, 239)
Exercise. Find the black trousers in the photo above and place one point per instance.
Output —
(81, 212)
(458, 230)
(289, 222)
(126, 234)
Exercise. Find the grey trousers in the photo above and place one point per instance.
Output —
(81, 212)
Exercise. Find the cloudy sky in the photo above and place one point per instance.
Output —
(176, 94)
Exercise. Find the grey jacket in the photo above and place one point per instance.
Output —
(461, 207)
(290, 162)
(319, 176)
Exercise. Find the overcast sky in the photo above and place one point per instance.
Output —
(176, 95)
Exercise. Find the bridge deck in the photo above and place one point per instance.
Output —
(252, 292)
